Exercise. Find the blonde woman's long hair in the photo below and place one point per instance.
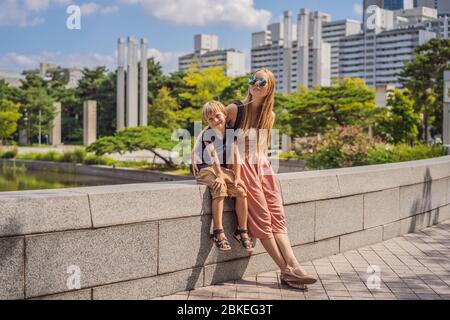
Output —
(266, 119)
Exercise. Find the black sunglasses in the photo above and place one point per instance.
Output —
(259, 82)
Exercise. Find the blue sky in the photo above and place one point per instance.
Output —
(33, 31)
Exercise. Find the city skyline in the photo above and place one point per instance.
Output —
(35, 31)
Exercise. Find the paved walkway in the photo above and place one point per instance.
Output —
(414, 266)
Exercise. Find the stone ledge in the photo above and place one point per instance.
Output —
(103, 256)
(133, 239)
(92, 207)
(39, 211)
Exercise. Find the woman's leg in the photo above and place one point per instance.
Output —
(274, 201)
(273, 250)
(284, 245)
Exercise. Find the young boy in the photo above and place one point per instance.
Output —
(210, 168)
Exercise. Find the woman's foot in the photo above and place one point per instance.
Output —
(293, 284)
(221, 240)
(298, 274)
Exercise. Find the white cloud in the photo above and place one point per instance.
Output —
(109, 9)
(12, 14)
(234, 13)
(89, 8)
(18, 62)
(168, 60)
(22, 13)
(36, 5)
(93, 7)
(358, 9)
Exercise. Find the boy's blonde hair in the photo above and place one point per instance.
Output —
(212, 107)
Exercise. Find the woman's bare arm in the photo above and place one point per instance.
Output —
(231, 110)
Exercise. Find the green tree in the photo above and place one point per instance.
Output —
(176, 85)
(134, 139)
(156, 79)
(71, 110)
(398, 122)
(9, 114)
(207, 85)
(7, 92)
(97, 84)
(348, 102)
(423, 76)
(163, 112)
(237, 90)
(36, 106)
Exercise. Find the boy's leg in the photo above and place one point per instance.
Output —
(242, 213)
(217, 212)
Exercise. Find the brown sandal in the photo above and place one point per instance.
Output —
(293, 284)
(221, 244)
(290, 275)
(247, 243)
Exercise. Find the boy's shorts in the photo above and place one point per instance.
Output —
(207, 177)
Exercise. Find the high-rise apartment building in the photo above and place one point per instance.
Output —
(442, 6)
(332, 33)
(378, 55)
(295, 53)
(389, 4)
(207, 54)
(303, 53)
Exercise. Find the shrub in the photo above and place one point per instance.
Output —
(75, 156)
(91, 158)
(9, 153)
(403, 152)
(342, 147)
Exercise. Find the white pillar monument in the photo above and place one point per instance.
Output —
(121, 84)
(132, 85)
(446, 115)
(89, 122)
(55, 132)
(143, 93)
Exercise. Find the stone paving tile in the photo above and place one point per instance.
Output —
(412, 267)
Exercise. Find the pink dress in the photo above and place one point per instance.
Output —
(265, 204)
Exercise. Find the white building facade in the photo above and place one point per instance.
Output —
(378, 56)
(207, 54)
(302, 53)
(332, 33)
(442, 6)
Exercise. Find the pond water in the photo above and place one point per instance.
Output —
(19, 178)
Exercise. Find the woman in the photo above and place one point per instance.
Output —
(266, 220)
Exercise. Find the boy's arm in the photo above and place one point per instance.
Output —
(216, 166)
(194, 155)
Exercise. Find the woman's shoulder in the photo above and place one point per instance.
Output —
(232, 110)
